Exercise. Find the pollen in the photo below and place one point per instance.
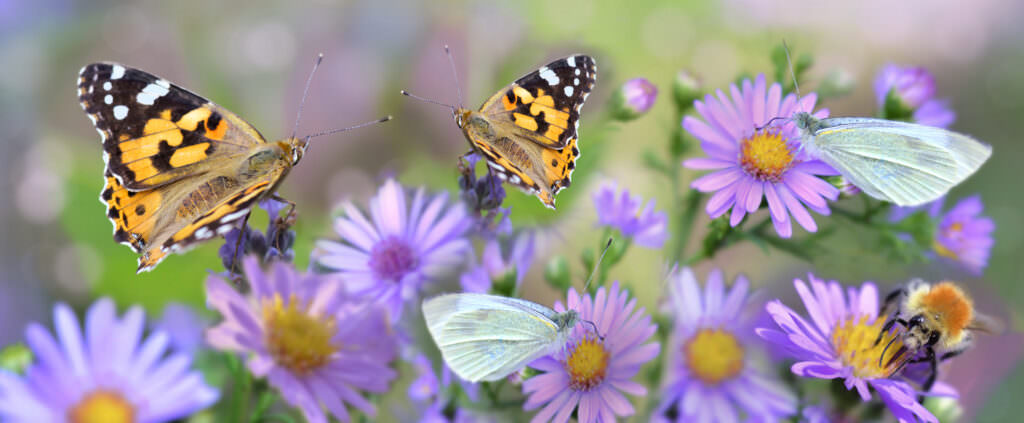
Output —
(714, 355)
(587, 365)
(766, 156)
(854, 342)
(102, 406)
(950, 306)
(298, 340)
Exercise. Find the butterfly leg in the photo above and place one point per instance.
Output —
(283, 224)
(238, 244)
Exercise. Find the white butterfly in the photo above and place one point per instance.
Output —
(487, 337)
(903, 163)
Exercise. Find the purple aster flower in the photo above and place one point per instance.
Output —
(913, 88)
(634, 98)
(184, 327)
(839, 343)
(497, 266)
(963, 235)
(401, 247)
(107, 372)
(314, 344)
(751, 160)
(622, 211)
(713, 376)
(590, 373)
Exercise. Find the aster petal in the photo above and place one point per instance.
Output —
(705, 163)
(71, 337)
(753, 200)
(723, 411)
(717, 180)
(721, 201)
(742, 101)
(546, 413)
(773, 101)
(544, 387)
(629, 387)
(799, 177)
(775, 205)
(817, 369)
(354, 234)
(341, 257)
(800, 188)
(818, 311)
(735, 299)
(784, 228)
(799, 332)
(705, 133)
(796, 209)
(868, 304)
(757, 101)
(817, 167)
(616, 401)
(589, 408)
(689, 307)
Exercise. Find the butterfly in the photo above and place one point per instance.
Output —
(527, 131)
(179, 168)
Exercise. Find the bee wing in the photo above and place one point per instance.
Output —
(987, 324)
(487, 337)
(904, 163)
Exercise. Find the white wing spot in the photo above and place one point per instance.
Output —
(109, 99)
(107, 86)
(224, 229)
(152, 92)
(549, 76)
(577, 71)
(575, 81)
(203, 233)
(571, 61)
(233, 216)
(117, 72)
(515, 179)
(120, 112)
(568, 91)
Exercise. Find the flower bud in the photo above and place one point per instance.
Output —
(634, 99)
(685, 89)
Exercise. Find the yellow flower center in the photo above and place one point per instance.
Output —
(102, 407)
(713, 355)
(854, 342)
(298, 340)
(587, 365)
(765, 156)
(950, 232)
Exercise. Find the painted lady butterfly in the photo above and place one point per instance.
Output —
(527, 131)
(179, 169)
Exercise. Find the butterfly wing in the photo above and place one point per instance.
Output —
(903, 163)
(487, 337)
(175, 217)
(155, 132)
(535, 121)
(544, 105)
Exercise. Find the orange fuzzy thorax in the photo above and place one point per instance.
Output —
(950, 306)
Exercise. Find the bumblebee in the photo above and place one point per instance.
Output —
(938, 323)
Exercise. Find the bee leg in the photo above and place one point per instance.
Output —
(888, 326)
(892, 300)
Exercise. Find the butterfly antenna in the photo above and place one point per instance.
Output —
(332, 131)
(597, 332)
(305, 92)
(792, 73)
(598, 264)
(427, 100)
(455, 76)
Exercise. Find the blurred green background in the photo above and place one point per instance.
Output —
(253, 58)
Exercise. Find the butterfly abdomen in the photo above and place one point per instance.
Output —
(205, 196)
